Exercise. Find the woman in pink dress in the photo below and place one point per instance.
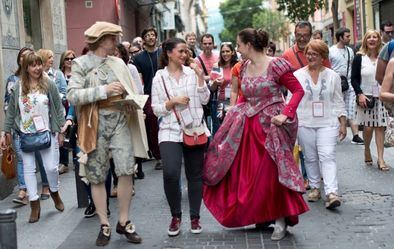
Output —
(250, 173)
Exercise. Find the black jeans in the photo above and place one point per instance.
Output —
(171, 155)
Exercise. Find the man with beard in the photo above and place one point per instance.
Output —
(341, 58)
(147, 65)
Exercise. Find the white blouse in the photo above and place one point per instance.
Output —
(368, 71)
(326, 95)
(31, 105)
(169, 129)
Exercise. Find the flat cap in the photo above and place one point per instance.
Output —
(99, 29)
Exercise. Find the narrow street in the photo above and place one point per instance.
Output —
(365, 219)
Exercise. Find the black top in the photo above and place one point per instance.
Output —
(147, 64)
(356, 74)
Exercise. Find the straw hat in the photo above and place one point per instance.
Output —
(99, 29)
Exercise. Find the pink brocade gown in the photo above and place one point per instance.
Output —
(251, 190)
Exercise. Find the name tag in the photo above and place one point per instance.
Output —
(186, 117)
(39, 123)
(318, 109)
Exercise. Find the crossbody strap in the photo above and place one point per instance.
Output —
(298, 57)
(203, 66)
(348, 60)
(173, 108)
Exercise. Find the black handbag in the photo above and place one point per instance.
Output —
(31, 142)
(344, 83)
(370, 102)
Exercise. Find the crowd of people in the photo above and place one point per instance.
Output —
(232, 119)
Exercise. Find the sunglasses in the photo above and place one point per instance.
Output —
(69, 58)
(226, 43)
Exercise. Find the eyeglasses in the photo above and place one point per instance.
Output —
(69, 58)
(389, 32)
(312, 54)
(304, 36)
(150, 35)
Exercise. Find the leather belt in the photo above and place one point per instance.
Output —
(107, 103)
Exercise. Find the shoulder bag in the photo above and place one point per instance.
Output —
(191, 136)
(31, 142)
(344, 82)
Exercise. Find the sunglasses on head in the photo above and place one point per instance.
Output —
(226, 43)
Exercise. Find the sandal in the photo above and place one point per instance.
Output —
(368, 158)
(383, 167)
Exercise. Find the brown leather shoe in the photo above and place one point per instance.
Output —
(58, 202)
(129, 230)
(104, 235)
(35, 211)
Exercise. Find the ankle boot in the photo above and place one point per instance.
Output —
(35, 211)
(58, 202)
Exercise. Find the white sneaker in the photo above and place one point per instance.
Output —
(279, 233)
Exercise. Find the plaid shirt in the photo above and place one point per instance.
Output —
(170, 131)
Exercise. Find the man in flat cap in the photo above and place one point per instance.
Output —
(97, 80)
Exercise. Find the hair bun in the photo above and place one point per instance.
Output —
(262, 37)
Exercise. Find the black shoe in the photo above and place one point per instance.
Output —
(357, 140)
(104, 235)
(129, 231)
(158, 165)
(90, 211)
(140, 175)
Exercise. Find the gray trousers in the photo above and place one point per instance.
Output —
(171, 155)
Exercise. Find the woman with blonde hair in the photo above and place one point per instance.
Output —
(35, 109)
(370, 110)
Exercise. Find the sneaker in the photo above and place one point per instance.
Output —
(357, 140)
(332, 201)
(195, 226)
(129, 231)
(314, 195)
(90, 211)
(104, 235)
(63, 169)
(175, 227)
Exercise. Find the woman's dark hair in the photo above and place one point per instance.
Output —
(168, 46)
(234, 58)
(124, 55)
(18, 59)
(257, 38)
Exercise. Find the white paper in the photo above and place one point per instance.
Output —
(186, 117)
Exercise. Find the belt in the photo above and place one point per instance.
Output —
(107, 103)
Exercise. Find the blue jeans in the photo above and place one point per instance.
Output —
(214, 116)
(19, 165)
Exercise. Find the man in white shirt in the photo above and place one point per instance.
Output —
(341, 58)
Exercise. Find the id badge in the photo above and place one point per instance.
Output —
(39, 123)
(318, 109)
(375, 91)
(186, 117)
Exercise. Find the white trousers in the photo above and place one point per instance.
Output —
(50, 158)
(319, 150)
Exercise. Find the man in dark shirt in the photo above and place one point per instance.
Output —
(147, 65)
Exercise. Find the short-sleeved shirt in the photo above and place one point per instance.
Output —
(340, 59)
(208, 61)
(384, 53)
(236, 72)
(147, 65)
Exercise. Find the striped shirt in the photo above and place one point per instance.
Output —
(169, 129)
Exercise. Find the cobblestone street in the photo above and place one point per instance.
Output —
(365, 219)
